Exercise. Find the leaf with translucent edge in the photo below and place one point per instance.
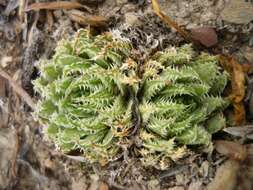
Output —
(178, 98)
(193, 89)
(215, 123)
(194, 135)
(219, 83)
(176, 56)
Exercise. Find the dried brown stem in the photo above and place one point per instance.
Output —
(20, 91)
(170, 22)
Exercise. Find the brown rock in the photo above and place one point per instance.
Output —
(132, 19)
(205, 35)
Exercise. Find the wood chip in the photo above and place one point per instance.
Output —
(2, 87)
(77, 158)
(169, 21)
(4, 107)
(56, 5)
(50, 20)
(21, 11)
(84, 19)
(20, 91)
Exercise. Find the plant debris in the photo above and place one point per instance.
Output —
(170, 22)
(22, 93)
(56, 5)
(84, 19)
(238, 87)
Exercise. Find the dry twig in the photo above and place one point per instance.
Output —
(20, 91)
(84, 19)
(57, 5)
(170, 22)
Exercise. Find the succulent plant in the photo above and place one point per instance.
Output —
(90, 87)
(180, 102)
(84, 95)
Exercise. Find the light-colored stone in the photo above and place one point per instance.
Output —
(6, 60)
(238, 12)
(204, 169)
(132, 19)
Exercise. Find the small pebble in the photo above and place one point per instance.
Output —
(6, 60)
